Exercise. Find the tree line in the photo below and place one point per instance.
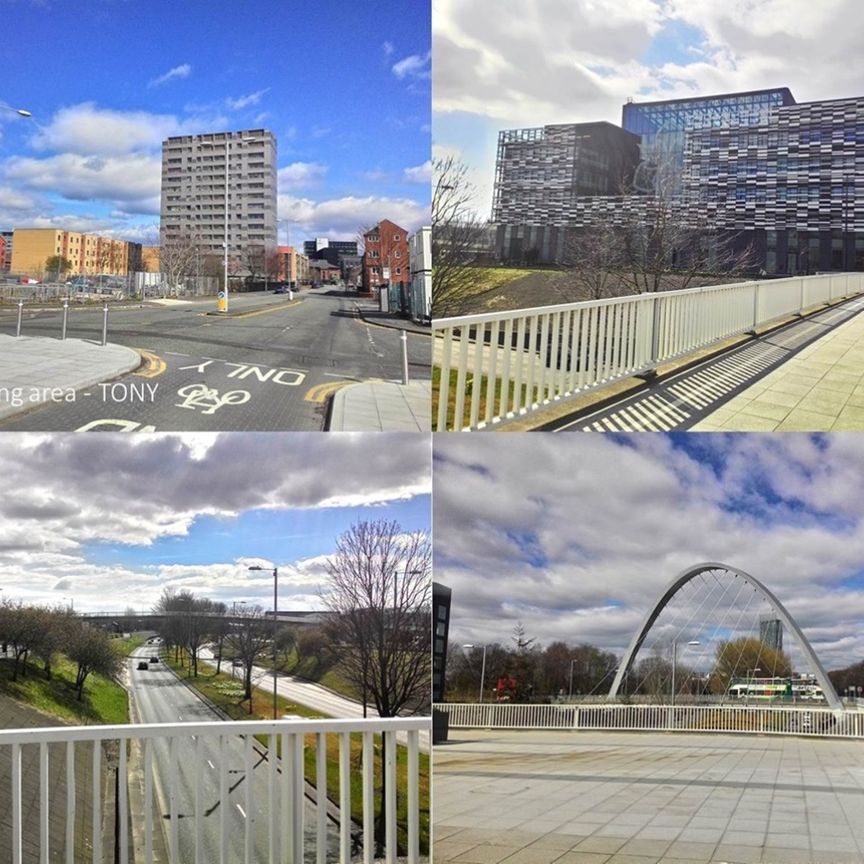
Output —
(41, 633)
(525, 672)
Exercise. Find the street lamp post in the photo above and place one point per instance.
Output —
(570, 693)
(675, 664)
(275, 622)
(482, 669)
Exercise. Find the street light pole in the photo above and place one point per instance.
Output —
(275, 624)
(482, 669)
(675, 664)
(570, 692)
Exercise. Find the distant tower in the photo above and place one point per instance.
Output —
(771, 632)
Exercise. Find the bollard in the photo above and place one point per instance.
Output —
(105, 325)
(404, 338)
(20, 315)
(65, 316)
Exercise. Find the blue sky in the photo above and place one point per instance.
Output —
(113, 522)
(579, 546)
(503, 64)
(346, 92)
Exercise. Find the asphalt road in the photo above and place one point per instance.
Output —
(313, 696)
(160, 697)
(271, 369)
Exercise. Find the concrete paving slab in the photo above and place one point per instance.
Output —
(382, 406)
(36, 370)
(826, 376)
(658, 798)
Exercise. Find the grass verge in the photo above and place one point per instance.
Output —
(497, 406)
(227, 694)
(104, 701)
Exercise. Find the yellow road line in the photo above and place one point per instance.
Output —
(153, 365)
(320, 392)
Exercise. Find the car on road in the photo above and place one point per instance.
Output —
(280, 289)
(154, 659)
(142, 664)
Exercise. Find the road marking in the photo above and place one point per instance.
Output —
(177, 354)
(241, 810)
(320, 392)
(212, 766)
(153, 365)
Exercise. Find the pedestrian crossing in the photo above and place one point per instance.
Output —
(677, 403)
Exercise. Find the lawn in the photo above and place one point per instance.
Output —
(105, 702)
(227, 694)
(470, 384)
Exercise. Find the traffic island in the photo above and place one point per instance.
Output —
(36, 371)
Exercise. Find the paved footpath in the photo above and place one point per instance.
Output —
(646, 798)
(820, 389)
(14, 715)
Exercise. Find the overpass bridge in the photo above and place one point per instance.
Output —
(500, 367)
(147, 619)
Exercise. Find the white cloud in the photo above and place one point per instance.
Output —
(61, 495)
(413, 66)
(419, 173)
(182, 71)
(388, 48)
(578, 537)
(299, 175)
(88, 130)
(342, 218)
(134, 178)
(246, 101)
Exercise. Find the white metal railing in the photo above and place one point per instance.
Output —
(210, 793)
(505, 364)
(761, 719)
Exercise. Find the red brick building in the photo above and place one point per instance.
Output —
(385, 257)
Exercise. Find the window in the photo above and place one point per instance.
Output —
(395, 238)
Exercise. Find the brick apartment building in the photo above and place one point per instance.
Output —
(385, 257)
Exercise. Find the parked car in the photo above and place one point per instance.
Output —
(280, 289)
(143, 664)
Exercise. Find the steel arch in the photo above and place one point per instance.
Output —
(682, 579)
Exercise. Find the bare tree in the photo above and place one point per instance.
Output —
(380, 593)
(458, 238)
(250, 635)
(178, 257)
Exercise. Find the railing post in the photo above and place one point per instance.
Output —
(105, 325)
(404, 340)
(756, 287)
(20, 316)
(655, 329)
(65, 316)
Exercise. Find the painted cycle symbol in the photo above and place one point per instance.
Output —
(200, 396)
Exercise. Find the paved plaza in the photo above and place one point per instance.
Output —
(646, 798)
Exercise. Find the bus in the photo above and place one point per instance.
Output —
(776, 689)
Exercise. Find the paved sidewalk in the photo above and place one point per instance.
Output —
(516, 797)
(820, 389)
(14, 715)
(36, 370)
(382, 406)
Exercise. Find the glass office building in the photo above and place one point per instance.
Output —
(662, 127)
(780, 178)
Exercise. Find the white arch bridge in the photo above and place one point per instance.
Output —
(723, 581)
